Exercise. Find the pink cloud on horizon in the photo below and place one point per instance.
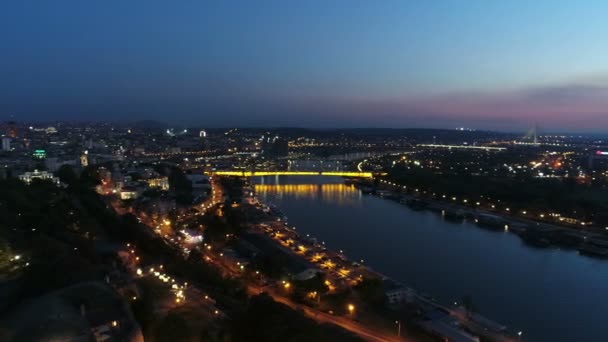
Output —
(577, 106)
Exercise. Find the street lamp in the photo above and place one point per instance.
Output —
(519, 335)
(398, 328)
(351, 309)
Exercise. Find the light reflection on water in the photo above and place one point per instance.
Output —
(336, 193)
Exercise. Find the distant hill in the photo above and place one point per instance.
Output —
(150, 125)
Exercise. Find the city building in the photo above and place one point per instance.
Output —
(84, 159)
(396, 293)
(129, 192)
(11, 129)
(105, 175)
(28, 177)
(160, 182)
(39, 154)
(6, 144)
(204, 142)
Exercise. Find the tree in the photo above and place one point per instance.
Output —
(174, 327)
(90, 176)
(314, 284)
(67, 175)
(6, 263)
(135, 176)
(371, 290)
(266, 320)
(178, 180)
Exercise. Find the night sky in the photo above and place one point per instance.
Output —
(481, 64)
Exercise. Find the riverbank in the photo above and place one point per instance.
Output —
(437, 319)
(533, 233)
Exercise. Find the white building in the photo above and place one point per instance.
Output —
(397, 294)
(129, 192)
(160, 182)
(28, 177)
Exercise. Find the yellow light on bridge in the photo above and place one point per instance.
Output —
(294, 173)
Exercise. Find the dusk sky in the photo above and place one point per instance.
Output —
(442, 64)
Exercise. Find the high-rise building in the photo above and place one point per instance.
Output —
(84, 159)
(204, 142)
(6, 144)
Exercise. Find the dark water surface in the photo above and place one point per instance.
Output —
(549, 294)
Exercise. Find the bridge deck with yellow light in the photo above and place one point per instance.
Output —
(294, 173)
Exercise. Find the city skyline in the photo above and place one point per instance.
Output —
(271, 170)
(416, 65)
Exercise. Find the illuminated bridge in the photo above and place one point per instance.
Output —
(295, 173)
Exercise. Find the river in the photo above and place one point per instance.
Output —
(549, 294)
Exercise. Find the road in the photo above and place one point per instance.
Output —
(366, 333)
